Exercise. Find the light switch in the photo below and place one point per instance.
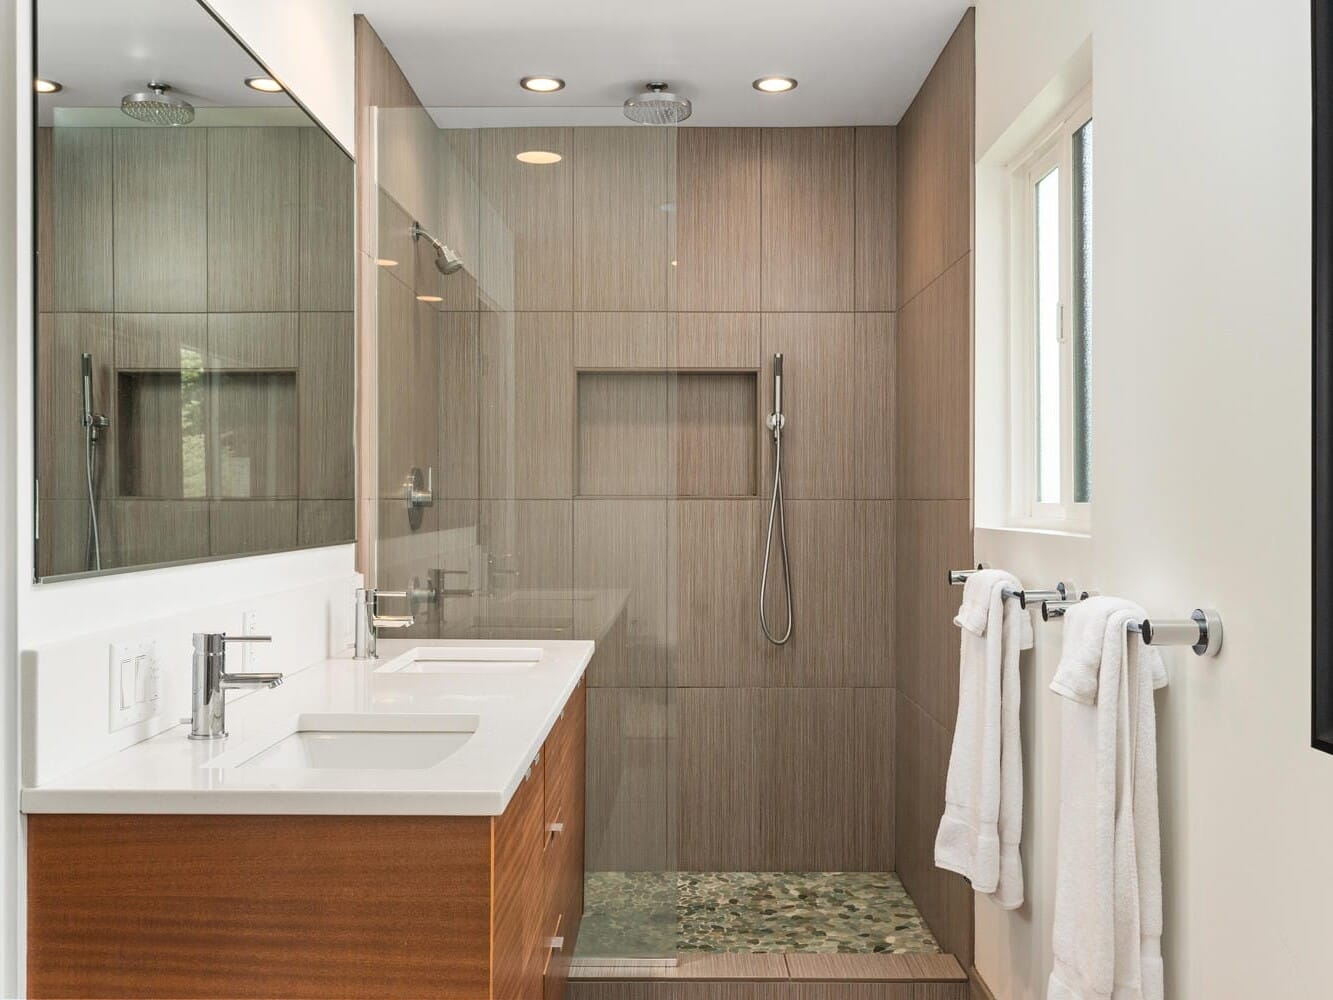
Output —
(133, 683)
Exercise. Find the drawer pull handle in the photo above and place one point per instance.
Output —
(555, 943)
(554, 828)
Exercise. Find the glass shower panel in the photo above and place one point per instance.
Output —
(537, 389)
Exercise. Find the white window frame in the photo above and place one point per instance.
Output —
(1052, 150)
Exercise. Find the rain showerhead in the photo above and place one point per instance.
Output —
(446, 261)
(155, 106)
(657, 106)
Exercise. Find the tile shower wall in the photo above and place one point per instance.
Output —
(199, 247)
(932, 529)
(590, 391)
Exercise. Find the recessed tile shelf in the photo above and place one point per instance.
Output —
(667, 433)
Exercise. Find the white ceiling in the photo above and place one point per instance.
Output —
(859, 62)
(103, 50)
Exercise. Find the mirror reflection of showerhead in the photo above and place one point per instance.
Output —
(446, 261)
(87, 390)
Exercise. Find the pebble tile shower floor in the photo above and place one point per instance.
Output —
(642, 914)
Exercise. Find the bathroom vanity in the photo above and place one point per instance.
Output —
(410, 827)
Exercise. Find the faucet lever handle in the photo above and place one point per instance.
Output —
(247, 638)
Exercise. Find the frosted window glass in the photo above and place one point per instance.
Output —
(1048, 337)
(1082, 192)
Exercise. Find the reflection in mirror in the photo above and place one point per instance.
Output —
(194, 340)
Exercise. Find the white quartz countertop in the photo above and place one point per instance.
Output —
(513, 712)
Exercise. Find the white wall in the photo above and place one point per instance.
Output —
(1201, 468)
(306, 44)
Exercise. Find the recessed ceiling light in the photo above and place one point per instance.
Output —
(47, 86)
(265, 84)
(430, 298)
(542, 84)
(386, 262)
(774, 84)
(538, 156)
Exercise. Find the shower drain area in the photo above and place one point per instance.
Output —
(657, 914)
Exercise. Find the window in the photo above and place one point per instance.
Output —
(1052, 325)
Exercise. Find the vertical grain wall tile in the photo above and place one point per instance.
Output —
(248, 340)
(62, 339)
(621, 545)
(627, 816)
(44, 191)
(254, 451)
(459, 415)
(63, 542)
(819, 352)
(167, 341)
(624, 441)
(876, 422)
(395, 250)
(325, 522)
(82, 168)
(872, 564)
(327, 397)
(935, 162)
(876, 204)
(819, 533)
(751, 795)
(408, 374)
(717, 340)
(622, 339)
(161, 201)
(718, 213)
(715, 428)
(253, 219)
(714, 551)
(237, 526)
(622, 235)
(527, 405)
(155, 531)
(536, 539)
(934, 376)
(325, 281)
(930, 537)
(526, 223)
(407, 554)
(459, 149)
(809, 220)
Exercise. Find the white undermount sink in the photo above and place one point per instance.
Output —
(359, 742)
(464, 660)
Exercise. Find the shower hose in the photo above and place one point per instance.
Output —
(776, 512)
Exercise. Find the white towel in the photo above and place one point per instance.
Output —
(982, 823)
(1108, 897)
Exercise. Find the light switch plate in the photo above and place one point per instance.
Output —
(252, 653)
(133, 683)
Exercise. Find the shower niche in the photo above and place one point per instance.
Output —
(667, 433)
(215, 433)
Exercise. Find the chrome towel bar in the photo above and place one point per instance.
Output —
(1060, 592)
(1202, 631)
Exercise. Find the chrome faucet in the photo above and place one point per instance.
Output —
(369, 621)
(208, 719)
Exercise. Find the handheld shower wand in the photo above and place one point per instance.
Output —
(776, 422)
(92, 424)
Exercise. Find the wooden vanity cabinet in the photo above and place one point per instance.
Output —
(452, 907)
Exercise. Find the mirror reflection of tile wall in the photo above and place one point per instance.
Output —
(208, 271)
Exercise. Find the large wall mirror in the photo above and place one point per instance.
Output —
(194, 337)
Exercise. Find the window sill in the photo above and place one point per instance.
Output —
(1045, 530)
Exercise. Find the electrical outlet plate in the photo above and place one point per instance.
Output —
(134, 683)
(252, 656)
